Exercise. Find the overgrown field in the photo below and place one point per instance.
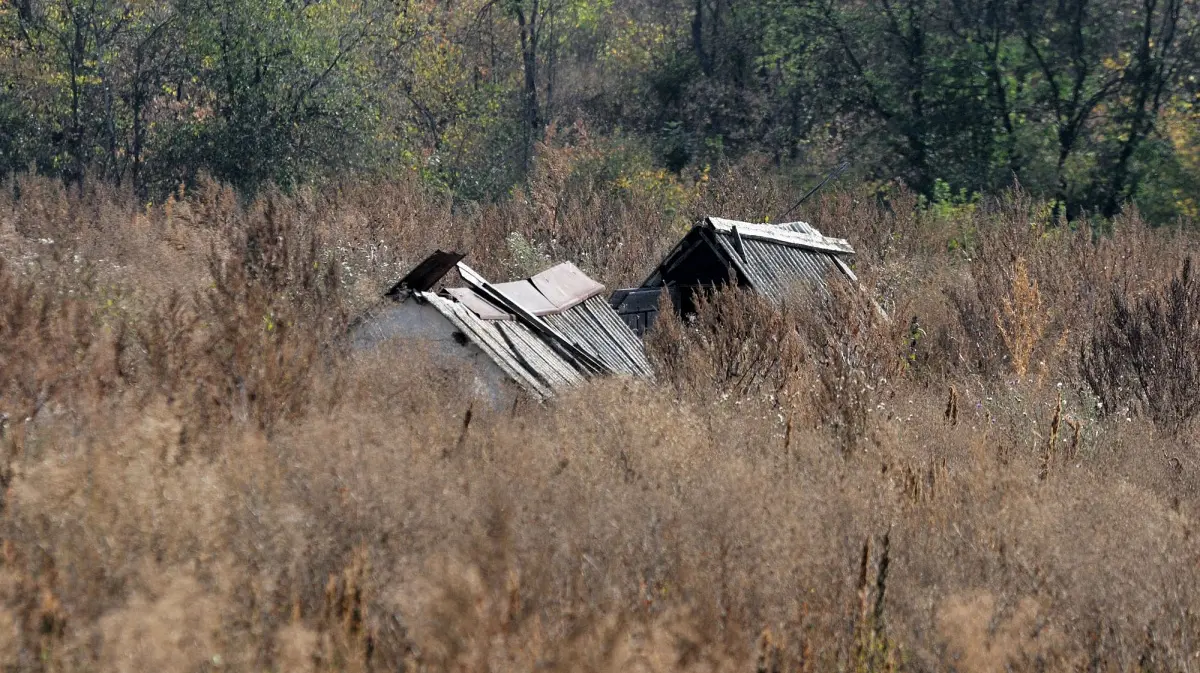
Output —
(198, 477)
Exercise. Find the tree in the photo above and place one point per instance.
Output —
(272, 90)
(1165, 47)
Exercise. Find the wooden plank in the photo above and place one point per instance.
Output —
(738, 244)
(845, 268)
(718, 244)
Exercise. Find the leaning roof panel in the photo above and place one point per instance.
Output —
(481, 307)
(597, 328)
(564, 285)
(529, 361)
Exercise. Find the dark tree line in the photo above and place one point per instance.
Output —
(1091, 102)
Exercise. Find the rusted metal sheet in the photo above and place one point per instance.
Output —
(426, 274)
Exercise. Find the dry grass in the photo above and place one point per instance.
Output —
(198, 478)
(1146, 350)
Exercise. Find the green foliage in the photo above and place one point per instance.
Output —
(281, 91)
(1091, 103)
(947, 204)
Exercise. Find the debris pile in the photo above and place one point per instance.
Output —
(543, 333)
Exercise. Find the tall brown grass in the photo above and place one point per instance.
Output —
(198, 477)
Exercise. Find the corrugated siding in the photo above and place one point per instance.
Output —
(597, 328)
(775, 270)
(521, 354)
(802, 227)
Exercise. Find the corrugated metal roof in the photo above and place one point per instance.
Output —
(774, 260)
(568, 311)
(596, 327)
(546, 333)
(520, 353)
(788, 235)
(775, 270)
(802, 227)
(483, 308)
(777, 258)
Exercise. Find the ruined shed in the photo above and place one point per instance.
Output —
(542, 334)
(773, 260)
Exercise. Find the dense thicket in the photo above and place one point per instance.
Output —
(1091, 103)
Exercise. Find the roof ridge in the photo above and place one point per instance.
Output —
(777, 234)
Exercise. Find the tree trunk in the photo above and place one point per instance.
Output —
(698, 39)
(529, 40)
(1149, 82)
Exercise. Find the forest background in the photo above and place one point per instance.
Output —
(1089, 103)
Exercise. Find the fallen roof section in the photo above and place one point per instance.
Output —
(547, 332)
(425, 275)
(526, 358)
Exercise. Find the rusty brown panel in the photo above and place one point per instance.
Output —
(426, 274)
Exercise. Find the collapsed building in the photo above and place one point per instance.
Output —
(541, 334)
(772, 260)
(554, 330)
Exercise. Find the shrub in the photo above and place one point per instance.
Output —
(1146, 351)
(738, 344)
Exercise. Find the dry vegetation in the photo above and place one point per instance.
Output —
(197, 476)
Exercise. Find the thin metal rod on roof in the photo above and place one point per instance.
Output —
(833, 174)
